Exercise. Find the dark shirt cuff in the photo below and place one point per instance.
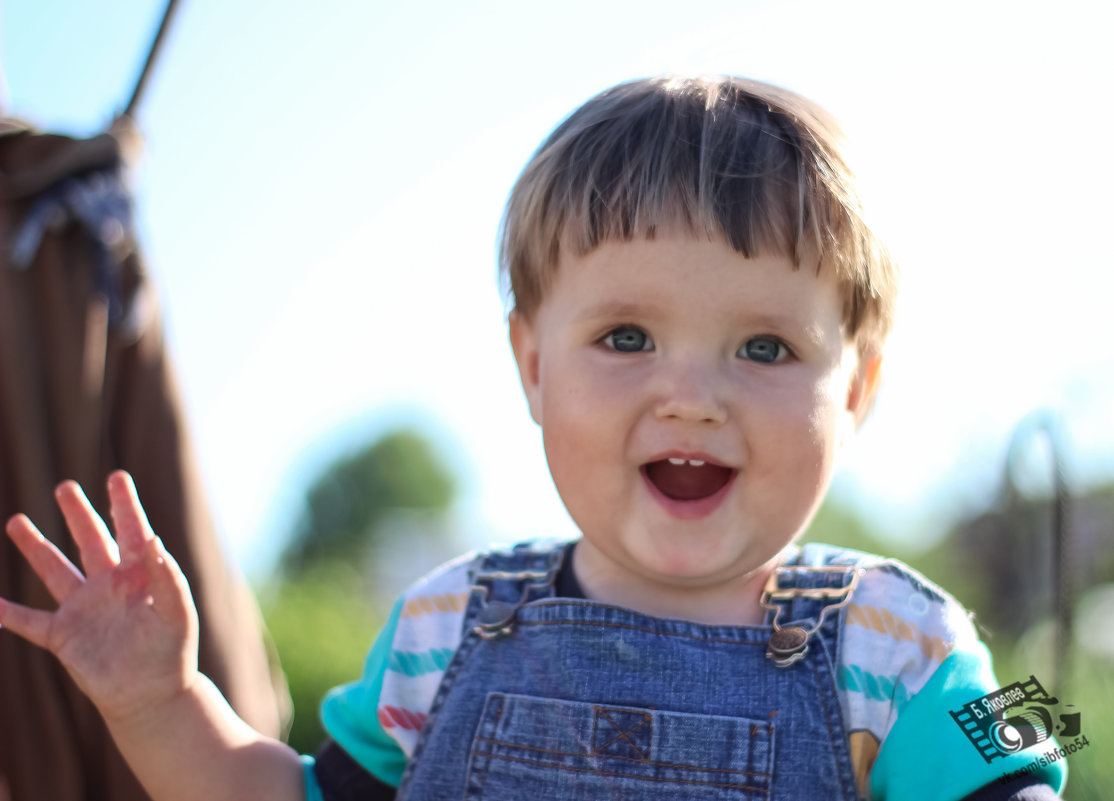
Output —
(1023, 788)
(341, 778)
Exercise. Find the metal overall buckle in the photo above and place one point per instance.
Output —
(496, 618)
(788, 646)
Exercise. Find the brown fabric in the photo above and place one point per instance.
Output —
(78, 399)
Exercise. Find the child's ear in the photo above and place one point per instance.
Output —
(524, 343)
(864, 386)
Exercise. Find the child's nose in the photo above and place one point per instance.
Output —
(692, 393)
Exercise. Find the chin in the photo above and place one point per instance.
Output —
(693, 563)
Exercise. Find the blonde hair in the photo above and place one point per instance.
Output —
(757, 165)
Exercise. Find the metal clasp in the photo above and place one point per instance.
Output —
(496, 618)
(788, 646)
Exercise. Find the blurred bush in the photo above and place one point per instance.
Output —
(323, 623)
(348, 502)
(374, 521)
(1089, 687)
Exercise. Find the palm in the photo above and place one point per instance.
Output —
(126, 630)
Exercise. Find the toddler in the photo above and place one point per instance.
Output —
(699, 310)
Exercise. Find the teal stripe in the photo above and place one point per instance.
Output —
(853, 678)
(413, 663)
(350, 715)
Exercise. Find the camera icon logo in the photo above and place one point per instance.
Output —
(1013, 718)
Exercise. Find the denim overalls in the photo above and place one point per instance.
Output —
(556, 698)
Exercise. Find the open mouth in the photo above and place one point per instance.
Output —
(687, 479)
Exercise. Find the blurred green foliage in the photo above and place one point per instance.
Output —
(1090, 689)
(323, 623)
(322, 611)
(350, 499)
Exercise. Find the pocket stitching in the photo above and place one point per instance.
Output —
(555, 752)
(660, 779)
(622, 734)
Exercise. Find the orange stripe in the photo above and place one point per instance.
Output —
(885, 622)
(427, 604)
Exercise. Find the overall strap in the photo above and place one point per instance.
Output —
(804, 595)
(506, 580)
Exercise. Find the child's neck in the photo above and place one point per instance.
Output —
(734, 602)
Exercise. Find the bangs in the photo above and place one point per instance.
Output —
(749, 163)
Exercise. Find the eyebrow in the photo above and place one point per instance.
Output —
(618, 309)
(782, 322)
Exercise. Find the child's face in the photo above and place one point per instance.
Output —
(679, 348)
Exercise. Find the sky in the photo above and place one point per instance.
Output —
(322, 184)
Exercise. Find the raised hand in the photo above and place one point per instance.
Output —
(126, 629)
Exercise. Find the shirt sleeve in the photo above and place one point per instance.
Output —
(910, 658)
(313, 792)
(911, 663)
(955, 768)
(350, 715)
(377, 720)
(341, 778)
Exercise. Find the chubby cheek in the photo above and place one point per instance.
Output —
(825, 416)
(577, 460)
(796, 435)
(585, 429)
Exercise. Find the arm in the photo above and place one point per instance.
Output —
(910, 655)
(126, 631)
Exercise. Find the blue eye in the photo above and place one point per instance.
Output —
(628, 339)
(764, 350)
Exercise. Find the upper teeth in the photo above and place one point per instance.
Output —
(693, 462)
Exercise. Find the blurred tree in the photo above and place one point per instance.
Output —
(325, 608)
(347, 504)
(322, 624)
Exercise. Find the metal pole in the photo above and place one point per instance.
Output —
(152, 53)
(1046, 423)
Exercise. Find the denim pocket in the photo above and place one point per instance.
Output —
(539, 748)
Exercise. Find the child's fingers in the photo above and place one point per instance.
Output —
(133, 532)
(98, 551)
(32, 625)
(168, 585)
(57, 572)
